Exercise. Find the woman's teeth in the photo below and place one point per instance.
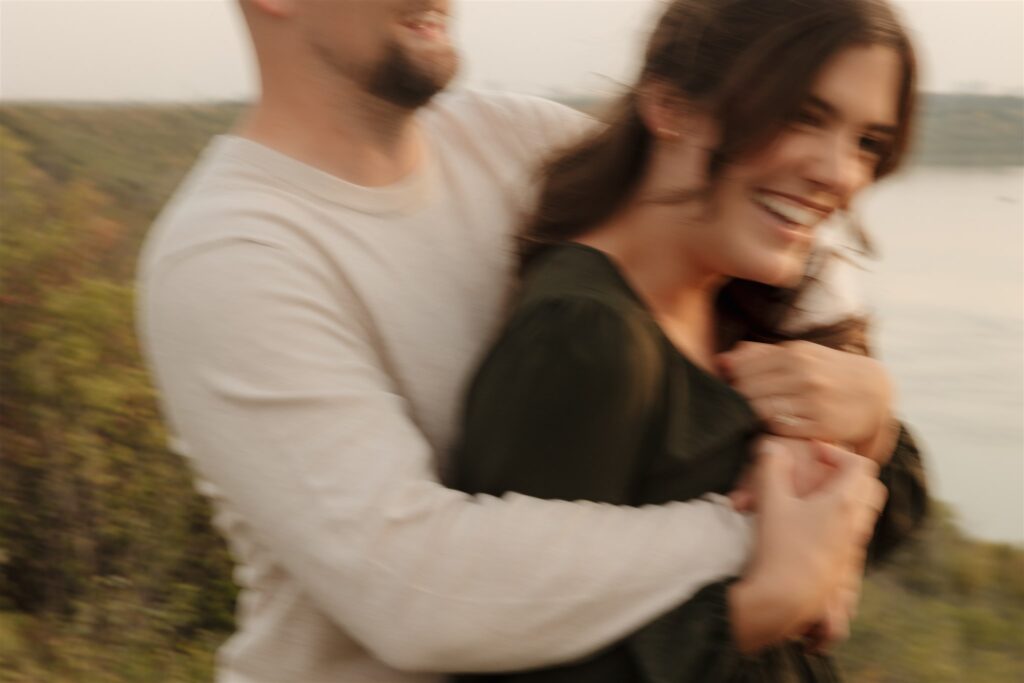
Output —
(428, 21)
(789, 211)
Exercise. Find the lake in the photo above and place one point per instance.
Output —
(948, 295)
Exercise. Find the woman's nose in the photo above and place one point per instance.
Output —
(838, 166)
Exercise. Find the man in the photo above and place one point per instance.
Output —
(313, 300)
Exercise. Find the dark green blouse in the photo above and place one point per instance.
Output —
(584, 398)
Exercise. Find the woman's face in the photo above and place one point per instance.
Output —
(763, 213)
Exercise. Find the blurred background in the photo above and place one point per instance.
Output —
(108, 568)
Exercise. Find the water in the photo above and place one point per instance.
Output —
(948, 294)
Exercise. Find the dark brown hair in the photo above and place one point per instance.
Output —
(751, 64)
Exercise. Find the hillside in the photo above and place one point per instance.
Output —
(109, 571)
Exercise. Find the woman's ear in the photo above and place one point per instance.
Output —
(275, 8)
(660, 107)
(670, 116)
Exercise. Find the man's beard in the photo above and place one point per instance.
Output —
(399, 81)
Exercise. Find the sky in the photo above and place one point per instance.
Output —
(186, 50)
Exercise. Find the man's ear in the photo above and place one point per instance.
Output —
(279, 9)
(670, 116)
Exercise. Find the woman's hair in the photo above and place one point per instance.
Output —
(750, 64)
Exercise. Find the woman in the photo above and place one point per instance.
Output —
(661, 242)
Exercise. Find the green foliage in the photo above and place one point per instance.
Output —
(35, 649)
(109, 571)
(105, 548)
(947, 608)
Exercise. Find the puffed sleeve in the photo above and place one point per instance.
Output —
(693, 642)
(907, 505)
(561, 405)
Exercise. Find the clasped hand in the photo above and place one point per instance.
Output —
(806, 390)
(817, 506)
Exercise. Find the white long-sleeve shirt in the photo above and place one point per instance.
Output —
(311, 340)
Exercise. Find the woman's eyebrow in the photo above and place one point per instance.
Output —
(832, 111)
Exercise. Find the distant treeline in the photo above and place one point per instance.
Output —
(956, 129)
(953, 129)
(109, 570)
(970, 130)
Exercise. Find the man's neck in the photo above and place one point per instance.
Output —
(353, 136)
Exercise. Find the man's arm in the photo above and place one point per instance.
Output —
(270, 375)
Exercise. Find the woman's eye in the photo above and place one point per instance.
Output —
(805, 117)
(876, 147)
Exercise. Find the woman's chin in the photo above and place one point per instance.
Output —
(788, 279)
(782, 273)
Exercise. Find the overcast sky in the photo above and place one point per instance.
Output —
(197, 49)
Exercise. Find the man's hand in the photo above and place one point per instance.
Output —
(810, 468)
(833, 627)
(806, 390)
(806, 547)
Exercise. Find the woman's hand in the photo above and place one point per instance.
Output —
(810, 468)
(806, 547)
(833, 627)
(806, 390)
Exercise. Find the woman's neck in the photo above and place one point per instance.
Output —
(648, 246)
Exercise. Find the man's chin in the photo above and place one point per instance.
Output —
(442, 74)
(403, 83)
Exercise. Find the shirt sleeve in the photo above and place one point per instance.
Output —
(542, 126)
(694, 642)
(561, 408)
(270, 375)
(907, 505)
